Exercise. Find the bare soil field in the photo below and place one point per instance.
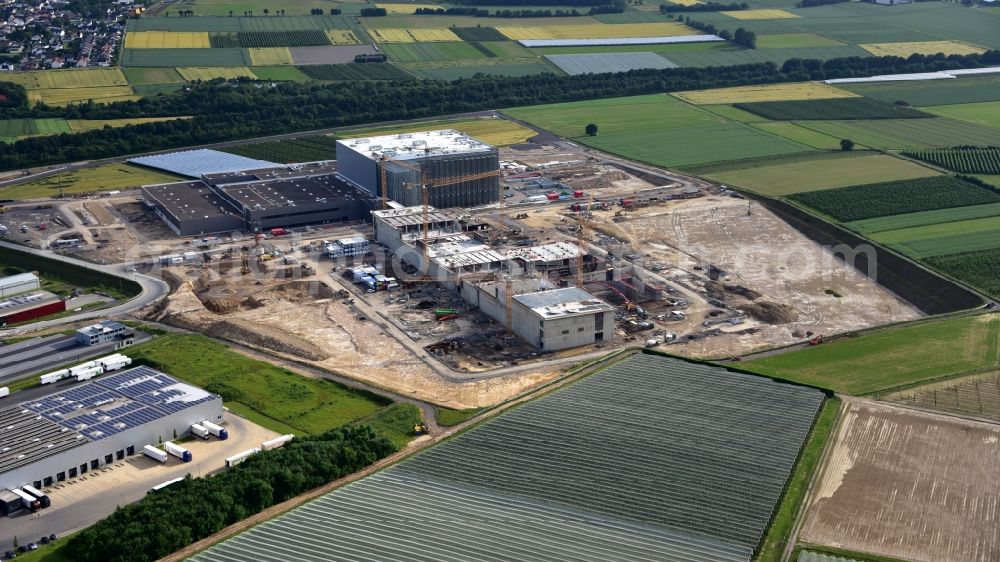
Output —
(909, 485)
(331, 54)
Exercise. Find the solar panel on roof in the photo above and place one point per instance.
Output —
(195, 163)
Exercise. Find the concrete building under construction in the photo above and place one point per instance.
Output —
(436, 159)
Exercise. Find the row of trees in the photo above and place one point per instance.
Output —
(168, 520)
(741, 36)
(707, 7)
(319, 11)
(811, 3)
(226, 111)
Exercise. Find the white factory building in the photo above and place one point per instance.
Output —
(435, 158)
(20, 283)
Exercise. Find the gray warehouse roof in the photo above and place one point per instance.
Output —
(195, 163)
(12, 280)
(563, 302)
(189, 200)
(410, 146)
(268, 194)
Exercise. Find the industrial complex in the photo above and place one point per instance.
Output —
(86, 426)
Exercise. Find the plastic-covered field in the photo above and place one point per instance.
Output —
(652, 458)
(599, 63)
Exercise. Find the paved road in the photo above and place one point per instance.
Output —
(153, 290)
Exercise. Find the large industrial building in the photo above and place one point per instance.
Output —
(20, 283)
(437, 159)
(258, 200)
(73, 431)
(29, 306)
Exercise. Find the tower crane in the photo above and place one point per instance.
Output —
(580, 240)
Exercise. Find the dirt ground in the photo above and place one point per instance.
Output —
(910, 485)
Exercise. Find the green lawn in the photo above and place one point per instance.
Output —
(983, 113)
(824, 173)
(87, 180)
(264, 392)
(658, 129)
(446, 417)
(395, 422)
(893, 357)
(944, 238)
(894, 134)
(923, 218)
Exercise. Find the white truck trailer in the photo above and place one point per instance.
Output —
(199, 430)
(154, 453)
(54, 376)
(177, 451)
(276, 442)
(240, 457)
(215, 430)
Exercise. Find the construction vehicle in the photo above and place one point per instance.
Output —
(307, 269)
(816, 340)
(420, 429)
(439, 312)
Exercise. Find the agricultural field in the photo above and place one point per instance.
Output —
(795, 41)
(830, 109)
(933, 92)
(498, 132)
(979, 269)
(263, 39)
(279, 73)
(962, 160)
(412, 35)
(81, 125)
(769, 92)
(406, 8)
(342, 37)
(814, 174)
(943, 238)
(238, 7)
(332, 54)
(353, 71)
(608, 62)
(983, 113)
(12, 129)
(187, 57)
(665, 50)
(900, 134)
(974, 395)
(920, 47)
(87, 180)
(59, 79)
(66, 96)
(194, 73)
(596, 31)
(167, 40)
(763, 14)
(413, 52)
(307, 149)
(479, 34)
(868, 201)
(238, 23)
(923, 218)
(690, 461)
(909, 485)
(904, 355)
(146, 76)
(795, 133)
(505, 49)
(270, 56)
(453, 70)
(415, 21)
(640, 127)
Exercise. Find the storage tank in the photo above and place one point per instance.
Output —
(215, 430)
(240, 457)
(199, 430)
(37, 494)
(177, 451)
(54, 376)
(154, 453)
(88, 374)
(276, 442)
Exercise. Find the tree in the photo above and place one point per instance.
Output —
(591, 130)
(846, 145)
(266, 11)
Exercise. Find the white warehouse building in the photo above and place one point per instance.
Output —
(17, 284)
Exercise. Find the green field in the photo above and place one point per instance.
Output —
(943, 238)
(933, 92)
(146, 76)
(13, 128)
(453, 70)
(87, 180)
(892, 357)
(982, 113)
(75, 78)
(413, 52)
(796, 133)
(868, 201)
(664, 49)
(795, 41)
(355, 71)
(237, 7)
(923, 218)
(186, 57)
(658, 129)
(262, 392)
(830, 109)
(900, 134)
(416, 22)
(507, 49)
(966, 160)
(980, 269)
(279, 73)
(238, 23)
(826, 173)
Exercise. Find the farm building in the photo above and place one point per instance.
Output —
(257, 200)
(20, 283)
(435, 158)
(30, 306)
(81, 428)
(104, 332)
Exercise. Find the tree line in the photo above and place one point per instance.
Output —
(168, 520)
(229, 111)
(741, 36)
(707, 7)
(811, 3)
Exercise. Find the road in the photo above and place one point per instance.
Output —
(29, 357)
(153, 290)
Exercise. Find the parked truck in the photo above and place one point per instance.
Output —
(199, 430)
(215, 430)
(240, 457)
(54, 376)
(29, 502)
(177, 451)
(89, 373)
(114, 362)
(81, 367)
(4, 391)
(37, 494)
(154, 453)
(9, 502)
(276, 442)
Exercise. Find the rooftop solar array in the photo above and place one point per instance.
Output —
(195, 163)
(653, 458)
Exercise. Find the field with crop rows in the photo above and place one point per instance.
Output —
(145, 76)
(983, 113)
(763, 14)
(12, 128)
(412, 35)
(167, 40)
(342, 37)
(479, 34)
(920, 47)
(353, 71)
(904, 356)
(943, 238)
(814, 174)
(250, 39)
(830, 109)
(80, 125)
(795, 41)
(933, 92)
(412, 52)
(702, 484)
(895, 198)
(596, 31)
(195, 73)
(87, 180)
(768, 92)
(608, 62)
(65, 96)
(453, 70)
(977, 396)
(270, 56)
(56, 79)
(306, 149)
(923, 218)
(899, 134)
(980, 269)
(279, 73)
(187, 57)
(795, 133)
(962, 160)
(406, 8)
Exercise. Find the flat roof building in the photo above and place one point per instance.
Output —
(73, 431)
(103, 332)
(20, 283)
(437, 158)
(29, 306)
